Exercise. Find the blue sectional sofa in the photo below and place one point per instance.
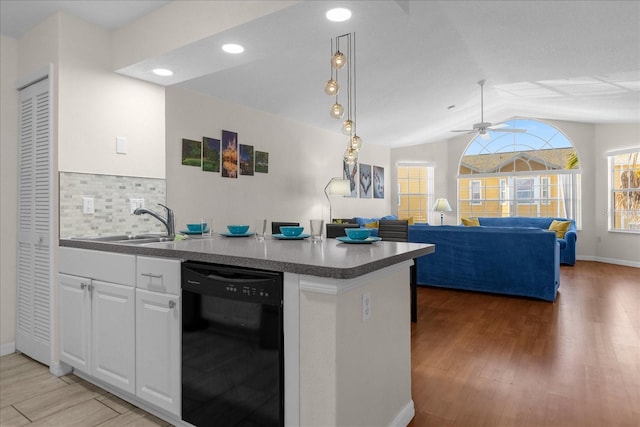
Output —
(513, 261)
(567, 244)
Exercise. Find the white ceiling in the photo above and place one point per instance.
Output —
(563, 60)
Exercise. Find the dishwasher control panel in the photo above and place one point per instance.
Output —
(232, 282)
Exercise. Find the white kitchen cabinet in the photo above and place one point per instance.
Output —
(113, 337)
(158, 274)
(75, 321)
(97, 334)
(158, 349)
(158, 332)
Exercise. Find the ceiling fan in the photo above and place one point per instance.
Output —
(482, 127)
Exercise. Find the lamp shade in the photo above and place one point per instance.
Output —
(338, 187)
(442, 205)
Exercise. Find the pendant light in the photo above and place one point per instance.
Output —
(338, 62)
(331, 88)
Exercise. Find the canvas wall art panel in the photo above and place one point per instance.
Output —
(246, 159)
(366, 190)
(350, 172)
(191, 152)
(378, 182)
(262, 162)
(210, 154)
(229, 154)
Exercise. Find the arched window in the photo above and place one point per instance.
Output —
(520, 174)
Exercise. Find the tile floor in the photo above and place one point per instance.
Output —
(30, 395)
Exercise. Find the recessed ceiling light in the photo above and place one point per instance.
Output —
(162, 72)
(233, 48)
(338, 14)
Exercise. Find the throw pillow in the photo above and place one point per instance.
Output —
(471, 222)
(560, 227)
(409, 220)
(371, 224)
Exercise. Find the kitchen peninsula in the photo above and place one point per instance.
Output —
(345, 364)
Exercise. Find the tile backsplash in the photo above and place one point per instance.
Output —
(111, 195)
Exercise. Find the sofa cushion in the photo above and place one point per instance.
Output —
(470, 222)
(560, 227)
(409, 220)
(361, 221)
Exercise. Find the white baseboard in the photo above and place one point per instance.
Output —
(405, 416)
(619, 262)
(609, 261)
(59, 369)
(7, 348)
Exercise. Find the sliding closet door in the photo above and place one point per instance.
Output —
(34, 276)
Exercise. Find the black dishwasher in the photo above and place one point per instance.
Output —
(232, 346)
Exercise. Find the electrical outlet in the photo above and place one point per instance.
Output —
(135, 204)
(366, 306)
(88, 206)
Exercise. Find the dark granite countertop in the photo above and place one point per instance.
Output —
(330, 258)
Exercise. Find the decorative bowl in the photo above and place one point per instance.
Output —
(357, 233)
(238, 229)
(291, 230)
(196, 228)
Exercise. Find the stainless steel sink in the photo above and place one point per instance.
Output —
(129, 239)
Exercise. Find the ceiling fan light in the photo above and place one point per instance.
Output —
(485, 134)
(347, 127)
(338, 60)
(331, 88)
(337, 111)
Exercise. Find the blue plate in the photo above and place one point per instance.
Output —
(193, 232)
(371, 239)
(248, 233)
(298, 237)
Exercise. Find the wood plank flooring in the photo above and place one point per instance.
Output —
(477, 360)
(489, 360)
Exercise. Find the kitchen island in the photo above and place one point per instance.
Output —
(347, 345)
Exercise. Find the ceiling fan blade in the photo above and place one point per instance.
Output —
(465, 130)
(509, 130)
(497, 126)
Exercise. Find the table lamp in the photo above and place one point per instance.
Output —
(442, 206)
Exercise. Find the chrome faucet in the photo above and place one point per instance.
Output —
(169, 222)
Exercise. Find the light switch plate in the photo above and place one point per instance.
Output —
(135, 204)
(121, 145)
(88, 206)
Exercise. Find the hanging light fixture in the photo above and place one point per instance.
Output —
(340, 60)
(332, 88)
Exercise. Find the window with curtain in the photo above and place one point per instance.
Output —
(415, 191)
(520, 174)
(624, 191)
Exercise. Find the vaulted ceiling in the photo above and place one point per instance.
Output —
(418, 62)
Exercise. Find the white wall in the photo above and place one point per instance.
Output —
(591, 142)
(301, 162)
(8, 191)
(612, 245)
(97, 105)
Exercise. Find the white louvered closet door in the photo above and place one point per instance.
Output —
(33, 336)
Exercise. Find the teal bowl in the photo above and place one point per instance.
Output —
(238, 229)
(357, 233)
(291, 231)
(196, 228)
